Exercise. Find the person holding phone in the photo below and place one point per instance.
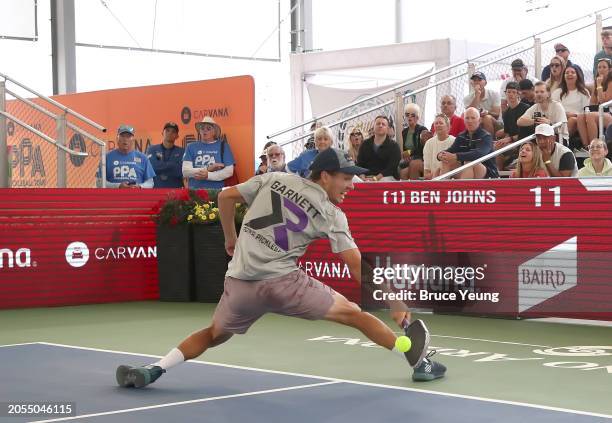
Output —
(543, 111)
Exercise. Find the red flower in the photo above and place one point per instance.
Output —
(184, 195)
(203, 194)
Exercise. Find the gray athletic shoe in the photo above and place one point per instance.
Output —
(137, 377)
(428, 369)
(419, 335)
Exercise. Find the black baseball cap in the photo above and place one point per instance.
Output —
(526, 84)
(512, 86)
(172, 125)
(517, 64)
(334, 160)
(479, 75)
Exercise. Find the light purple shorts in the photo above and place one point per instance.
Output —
(295, 294)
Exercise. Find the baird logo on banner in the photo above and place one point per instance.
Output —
(548, 275)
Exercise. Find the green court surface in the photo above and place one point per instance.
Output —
(548, 364)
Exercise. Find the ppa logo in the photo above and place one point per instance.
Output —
(77, 254)
(20, 258)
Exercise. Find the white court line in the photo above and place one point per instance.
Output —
(17, 345)
(483, 340)
(354, 382)
(195, 401)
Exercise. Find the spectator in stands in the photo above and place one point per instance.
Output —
(510, 132)
(563, 52)
(263, 166)
(379, 154)
(167, 159)
(391, 131)
(441, 141)
(530, 163)
(323, 139)
(354, 143)
(543, 111)
(276, 159)
(597, 164)
(448, 105)
(559, 159)
(519, 72)
(485, 101)
(209, 161)
(527, 91)
(606, 51)
(412, 150)
(470, 145)
(574, 96)
(310, 144)
(588, 123)
(125, 167)
(557, 69)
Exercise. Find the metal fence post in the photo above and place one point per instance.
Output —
(61, 155)
(537, 52)
(4, 156)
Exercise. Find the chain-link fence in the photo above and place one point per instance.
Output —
(35, 161)
(579, 36)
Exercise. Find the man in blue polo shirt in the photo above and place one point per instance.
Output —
(167, 159)
(208, 162)
(125, 167)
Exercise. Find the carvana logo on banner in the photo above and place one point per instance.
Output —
(547, 275)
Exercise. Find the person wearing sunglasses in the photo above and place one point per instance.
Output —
(411, 164)
(563, 51)
(557, 68)
(276, 159)
(355, 140)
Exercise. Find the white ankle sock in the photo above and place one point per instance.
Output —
(174, 357)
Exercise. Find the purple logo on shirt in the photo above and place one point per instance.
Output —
(281, 232)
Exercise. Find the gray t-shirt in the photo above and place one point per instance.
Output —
(286, 213)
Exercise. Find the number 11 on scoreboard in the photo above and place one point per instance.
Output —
(538, 195)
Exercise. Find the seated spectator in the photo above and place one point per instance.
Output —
(471, 144)
(530, 163)
(574, 96)
(557, 69)
(310, 144)
(412, 150)
(208, 162)
(323, 139)
(448, 105)
(519, 72)
(597, 164)
(563, 52)
(391, 132)
(606, 51)
(441, 141)
(379, 154)
(263, 166)
(126, 167)
(559, 159)
(588, 123)
(510, 132)
(485, 101)
(276, 159)
(167, 159)
(527, 92)
(543, 111)
(354, 143)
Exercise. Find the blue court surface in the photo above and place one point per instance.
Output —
(206, 392)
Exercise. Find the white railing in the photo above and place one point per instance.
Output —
(61, 126)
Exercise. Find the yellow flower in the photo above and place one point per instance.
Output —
(190, 217)
(203, 217)
(211, 216)
(215, 209)
(206, 206)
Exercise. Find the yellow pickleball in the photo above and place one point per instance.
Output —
(403, 344)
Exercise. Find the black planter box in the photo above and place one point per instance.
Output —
(175, 263)
(209, 262)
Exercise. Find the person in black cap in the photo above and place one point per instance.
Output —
(562, 51)
(167, 159)
(519, 73)
(486, 101)
(287, 213)
(527, 92)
